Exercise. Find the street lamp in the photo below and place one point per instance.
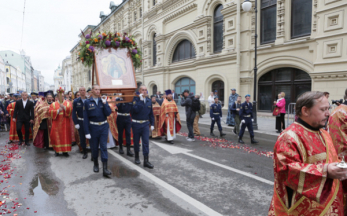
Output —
(246, 6)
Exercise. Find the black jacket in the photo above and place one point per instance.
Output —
(188, 102)
(24, 114)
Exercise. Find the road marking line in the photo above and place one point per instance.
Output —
(179, 150)
(200, 206)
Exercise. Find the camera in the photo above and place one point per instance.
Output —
(337, 101)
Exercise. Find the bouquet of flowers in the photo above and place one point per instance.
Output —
(107, 40)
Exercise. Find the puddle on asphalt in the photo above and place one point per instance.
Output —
(42, 186)
(122, 172)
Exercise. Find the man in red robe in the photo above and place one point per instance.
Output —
(43, 121)
(60, 136)
(169, 122)
(156, 112)
(307, 180)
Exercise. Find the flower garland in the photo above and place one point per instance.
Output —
(103, 40)
(60, 90)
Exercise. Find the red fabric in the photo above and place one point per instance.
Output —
(39, 140)
(282, 105)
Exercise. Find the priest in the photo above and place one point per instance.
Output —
(43, 122)
(169, 122)
(307, 180)
(156, 112)
(60, 136)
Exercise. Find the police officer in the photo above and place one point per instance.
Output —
(124, 123)
(77, 117)
(216, 116)
(142, 115)
(96, 127)
(246, 117)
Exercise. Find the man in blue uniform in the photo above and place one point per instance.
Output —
(216, 116)
(77, 117)
(246, 117)
(124, 123)
(96, 127)
(142, 116)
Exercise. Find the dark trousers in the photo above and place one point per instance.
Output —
(19, 130)
(124, 123)
(280, 121)
(190, 124)
(99, 134)
(46, 138)
(216, 120)
(81, 134)
(249, 125)
(141, 130)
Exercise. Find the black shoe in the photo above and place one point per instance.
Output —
(105, 171)
(65, 154)
(91, 158)
(73, 143)
(137, 158)
(28, 144)
(129, 152)
(234, 131)
(147, 164)
(222, 134)
(278, 131)
(171, 142)
(241, 141)
(85, 154)
(211, 133)
(121, 149)
(10, 142)
(253, 141)
(96, 165)
(56, 154)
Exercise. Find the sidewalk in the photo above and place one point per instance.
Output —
(266, 122)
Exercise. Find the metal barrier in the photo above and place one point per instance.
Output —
(290, 114)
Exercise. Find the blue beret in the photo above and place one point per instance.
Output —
(247, 95)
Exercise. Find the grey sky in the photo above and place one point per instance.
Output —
(51, 28)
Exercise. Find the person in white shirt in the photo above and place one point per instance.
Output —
(210, 99)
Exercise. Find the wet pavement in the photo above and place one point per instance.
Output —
(206, 177)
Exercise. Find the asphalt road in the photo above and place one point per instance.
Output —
(206, 177)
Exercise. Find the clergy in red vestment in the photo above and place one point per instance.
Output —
(60, 136)
(307, 180)
(43, 121)
(13, 125)
(169, 122)
(156, 112)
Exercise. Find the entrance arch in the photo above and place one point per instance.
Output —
(183, 84)
(219, 86)
(293, 82)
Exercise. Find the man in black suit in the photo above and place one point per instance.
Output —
(24, 113)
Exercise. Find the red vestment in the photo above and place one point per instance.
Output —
(13, 125)
(337, 127)
(301, 186)
(156, 113)
(41, 112)
(112, 119)
(169, 108)
(61, 127)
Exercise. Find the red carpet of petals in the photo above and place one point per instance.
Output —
(223, 143)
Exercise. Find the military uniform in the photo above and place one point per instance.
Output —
(246, 114)
(96, 125)
(77, 117)
(142, 117)
(216, 115)
(124, 123)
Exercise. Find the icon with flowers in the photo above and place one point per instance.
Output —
(107, 40)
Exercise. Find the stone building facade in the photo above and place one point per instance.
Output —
(208, 45)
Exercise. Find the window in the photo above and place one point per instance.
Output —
(154, 89)
(301, 18)
(218, 29)
(154, 2)
(183, 84)
(268, 21)
(6, 69)
(135, 16)
(140, 12)
(184, 50)
(154, 50)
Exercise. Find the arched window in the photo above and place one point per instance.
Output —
(154, 89)
(184, 50)
(219, 87)
(218, 29)
(183, 84)
(301, 18)
(154, 50)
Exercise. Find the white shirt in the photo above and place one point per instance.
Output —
(24, 103)
(210, 100)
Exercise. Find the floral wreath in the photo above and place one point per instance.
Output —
(60, 90)
(103, 40)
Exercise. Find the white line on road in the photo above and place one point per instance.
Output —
(177, 150)
(200, 206)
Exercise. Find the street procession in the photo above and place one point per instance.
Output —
(173, 108)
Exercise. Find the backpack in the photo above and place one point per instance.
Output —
(195, 104)
(202, 110)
